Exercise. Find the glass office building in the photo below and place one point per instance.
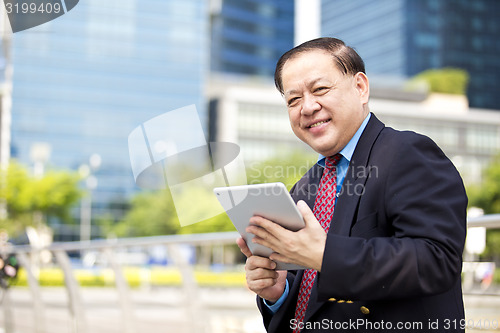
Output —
(85, 80)
(249, 36)
(405, 37)
(5, 97)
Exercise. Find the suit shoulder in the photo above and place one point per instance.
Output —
(407, 150)
(406, 139)
(314, 173)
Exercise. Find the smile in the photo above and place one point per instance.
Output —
(319, 123)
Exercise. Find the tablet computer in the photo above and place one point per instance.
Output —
(271, 201)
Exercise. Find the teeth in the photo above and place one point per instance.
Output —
(317, 124)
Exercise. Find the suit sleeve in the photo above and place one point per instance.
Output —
(423, 205)
(267, 314)
(284, 310)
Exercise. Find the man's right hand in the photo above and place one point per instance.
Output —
(262, 278)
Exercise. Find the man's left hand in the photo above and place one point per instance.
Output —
(304, 247)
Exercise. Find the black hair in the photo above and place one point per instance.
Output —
(345, 57)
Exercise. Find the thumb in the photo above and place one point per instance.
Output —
(306, 213)
(243, 247)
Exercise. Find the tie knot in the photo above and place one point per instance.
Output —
(331, 161)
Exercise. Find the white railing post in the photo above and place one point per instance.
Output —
(123, 293)
(75, 301)
(34, 287)
(191, 301)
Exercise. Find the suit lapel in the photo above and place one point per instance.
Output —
(307, 187)
(345, 207)
(355, 179)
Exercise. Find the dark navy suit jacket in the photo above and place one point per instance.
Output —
(393, 254)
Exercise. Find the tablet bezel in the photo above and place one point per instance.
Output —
(269, 200)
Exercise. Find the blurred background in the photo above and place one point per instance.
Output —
(84, 249)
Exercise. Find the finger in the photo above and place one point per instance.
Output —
(258, 285)
(263, 222)
(279, 257)
(243, 247)
(255, 262)
(260, 274)
(266, 229)
(306, 213)
(261, 236)
(269, 242)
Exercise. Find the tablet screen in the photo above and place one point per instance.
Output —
(271, 201)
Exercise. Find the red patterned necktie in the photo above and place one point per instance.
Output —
(323, 210)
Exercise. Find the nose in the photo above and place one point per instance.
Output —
(309, 105)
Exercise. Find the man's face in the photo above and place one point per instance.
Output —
(325, 106)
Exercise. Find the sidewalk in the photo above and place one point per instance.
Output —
(155, 310)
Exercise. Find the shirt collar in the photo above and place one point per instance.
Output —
(348, 150)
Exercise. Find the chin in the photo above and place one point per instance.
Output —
(324, 152)
(324, 149)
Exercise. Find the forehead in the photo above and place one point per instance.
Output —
(309, 66)
(318, 56)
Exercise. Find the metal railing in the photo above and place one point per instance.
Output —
(471, 262)
(491, 221)
(109, 248)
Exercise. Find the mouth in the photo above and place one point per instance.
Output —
(319, 123)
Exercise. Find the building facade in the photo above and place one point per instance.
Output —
(5, 88)
(405, 37)
(255, 117)
(249, 36)
(252, 115)
(85, 80)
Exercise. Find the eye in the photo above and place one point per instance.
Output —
(320, 89)
(293, 101)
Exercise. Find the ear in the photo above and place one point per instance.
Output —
(363, 86)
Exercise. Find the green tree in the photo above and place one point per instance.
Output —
(24, 197)
(154, 212)
(286, 168)
(487, 194)
(445, 80)
(151, 213)
(487, 197)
